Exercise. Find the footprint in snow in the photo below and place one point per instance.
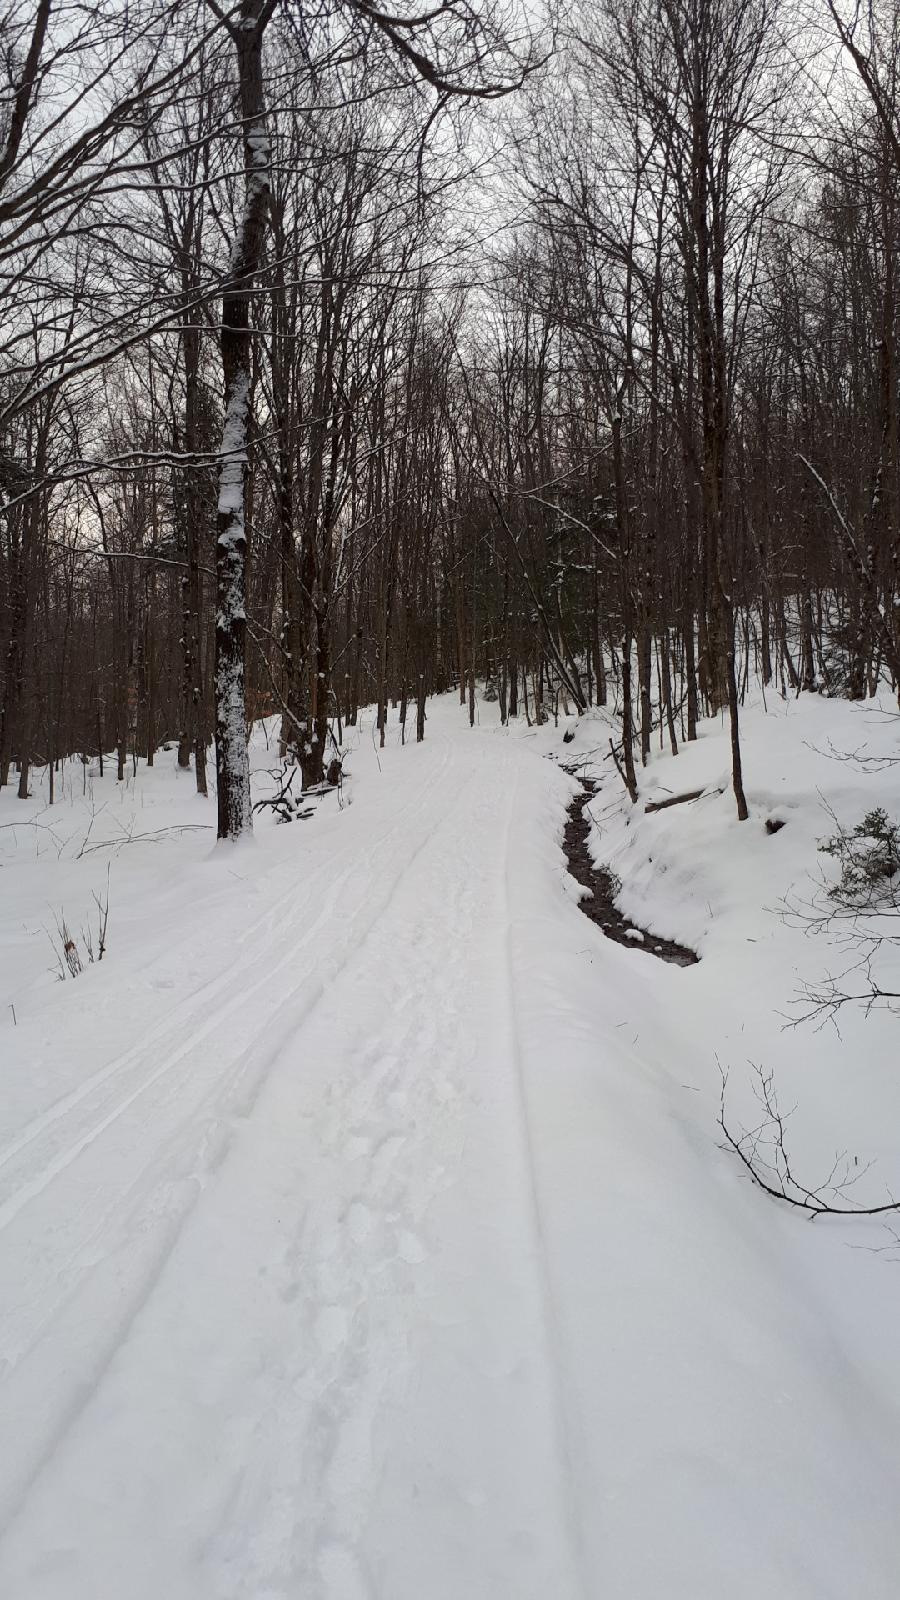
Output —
(331, 1328)
(357, 1147)
(359, 1221)
(410, 1248)
(342, 1574)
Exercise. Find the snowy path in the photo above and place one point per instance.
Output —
(364, 1247)
(272, 1241)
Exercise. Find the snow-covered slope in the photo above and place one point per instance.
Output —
(365, 1232)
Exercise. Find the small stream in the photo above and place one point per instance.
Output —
(600, 904)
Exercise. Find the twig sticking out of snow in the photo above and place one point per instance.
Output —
(774, 1173)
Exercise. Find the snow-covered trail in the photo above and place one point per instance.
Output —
(272, 1238)
(368, 1239)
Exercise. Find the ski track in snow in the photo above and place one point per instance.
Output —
(205, 997)
(390, 1262)
(204, 1105)
(564, 1409)
(367, 1053)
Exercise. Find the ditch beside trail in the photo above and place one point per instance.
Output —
(600, 901)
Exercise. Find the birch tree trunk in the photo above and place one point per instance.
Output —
(232, 760)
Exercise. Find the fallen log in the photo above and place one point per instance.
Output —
(676, 800)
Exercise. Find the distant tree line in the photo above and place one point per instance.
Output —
(351, 355)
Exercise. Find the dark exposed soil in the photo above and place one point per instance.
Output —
(600, 904)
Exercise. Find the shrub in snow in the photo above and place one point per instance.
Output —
(491, 692)
(835, 668)
(69, 961)
(869, 859)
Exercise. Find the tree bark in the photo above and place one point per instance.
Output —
(232, 757)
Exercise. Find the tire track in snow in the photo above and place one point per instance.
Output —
(570, 1514)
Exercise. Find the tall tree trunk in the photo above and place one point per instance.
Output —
(232, 759)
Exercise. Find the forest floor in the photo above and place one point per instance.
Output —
(366, 1229)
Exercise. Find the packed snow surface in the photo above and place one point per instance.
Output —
(366, 1232)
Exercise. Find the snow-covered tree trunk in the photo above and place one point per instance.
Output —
(232, 761)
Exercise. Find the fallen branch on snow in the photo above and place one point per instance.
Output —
(775, 1175)
(676, 800)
